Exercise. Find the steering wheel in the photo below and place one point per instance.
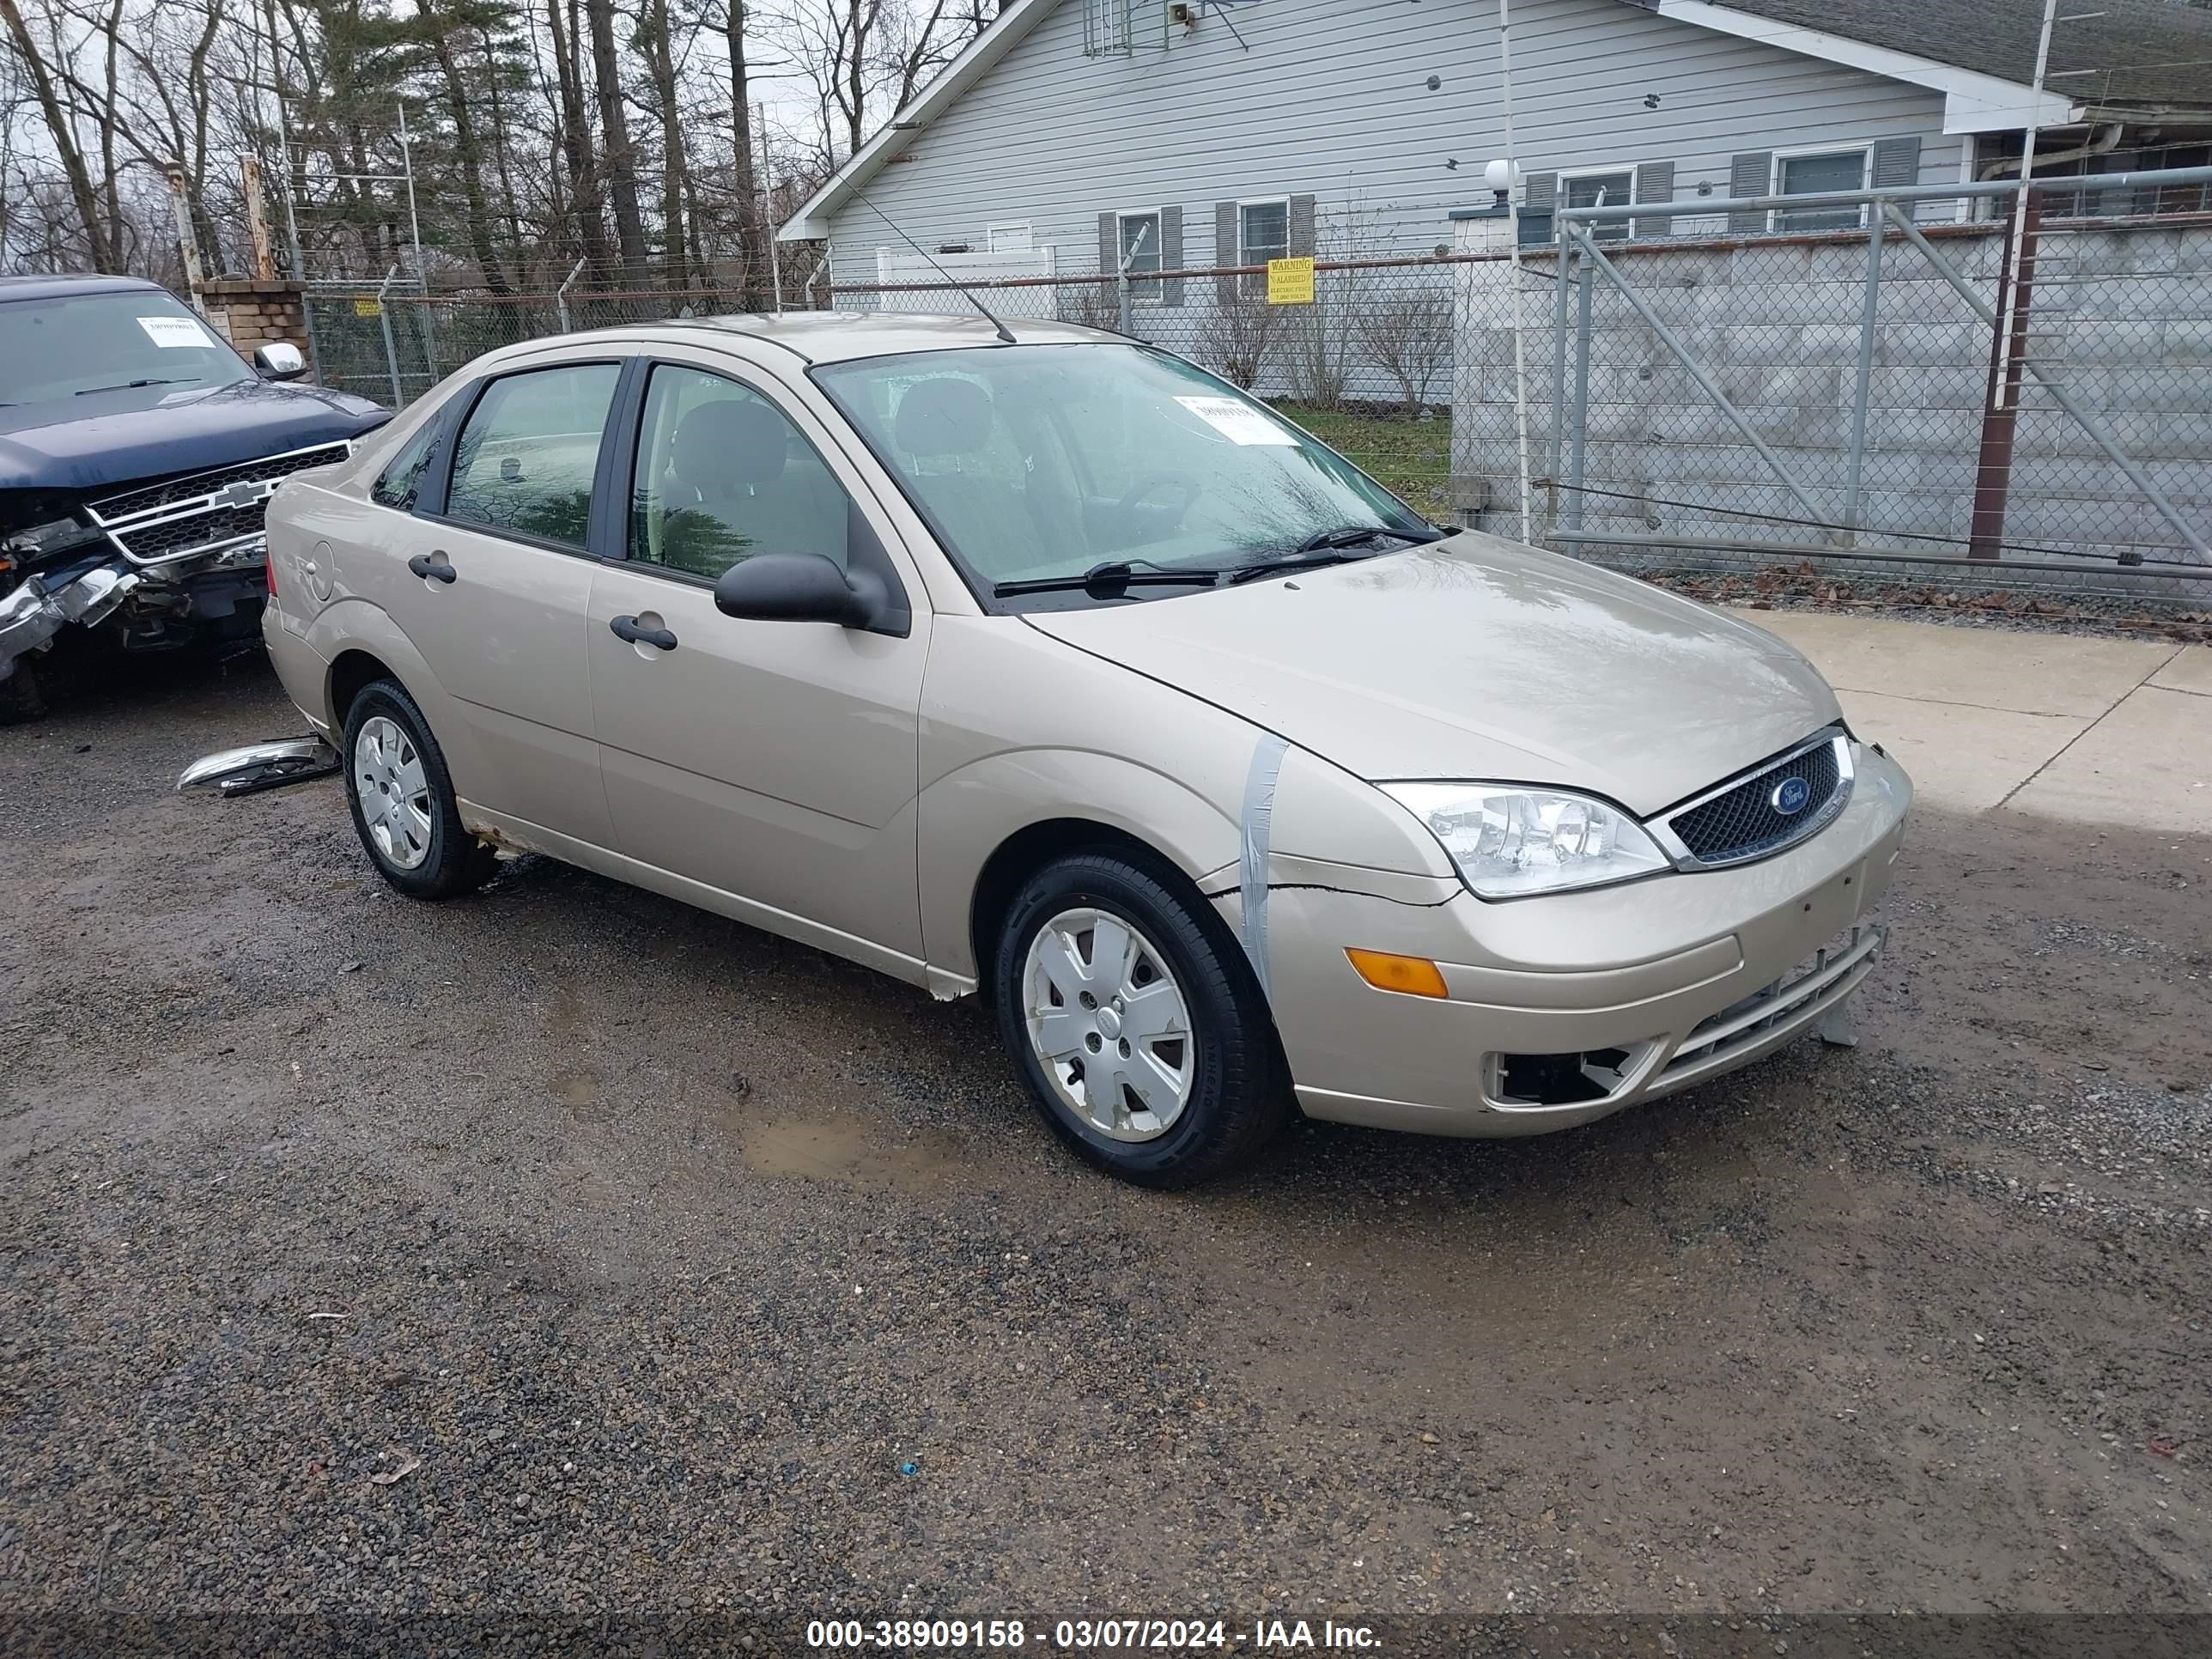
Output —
(1186, 487)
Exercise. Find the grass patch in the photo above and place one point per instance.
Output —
(1413, 458)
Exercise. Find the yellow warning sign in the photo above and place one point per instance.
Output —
(368, 307)
(1290, 283)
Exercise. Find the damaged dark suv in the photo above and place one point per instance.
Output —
(137, 454)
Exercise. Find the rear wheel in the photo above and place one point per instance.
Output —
(1140, 1030)
(402, 797)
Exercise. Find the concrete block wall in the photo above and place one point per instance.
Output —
(249, 312)
(2122, 314)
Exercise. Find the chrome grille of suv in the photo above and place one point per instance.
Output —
(202, 512)
(1775, 805)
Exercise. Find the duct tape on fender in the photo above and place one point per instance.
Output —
(1259, 817)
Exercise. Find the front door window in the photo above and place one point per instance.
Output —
(722, 474)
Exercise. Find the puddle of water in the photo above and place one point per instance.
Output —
(845, 1151)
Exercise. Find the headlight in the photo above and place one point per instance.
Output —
(1508, 841)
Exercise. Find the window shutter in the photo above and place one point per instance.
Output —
(1172, 253)
(1302, 228)
(1896, 165)
(1225, 251)
(1110, 245)
(1539, 194)
(1749, 174)
(1654, 182)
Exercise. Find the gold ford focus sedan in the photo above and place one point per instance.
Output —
(1039, 663)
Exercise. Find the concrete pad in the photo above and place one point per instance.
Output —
(1962, 759)
(2031, 673)
(2145, 765)
(2190, 672)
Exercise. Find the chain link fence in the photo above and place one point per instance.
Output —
(1738, 381)
(1712, 384)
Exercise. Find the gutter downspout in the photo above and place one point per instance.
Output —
(2107, 141)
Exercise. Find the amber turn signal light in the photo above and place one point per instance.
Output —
(1415, 976)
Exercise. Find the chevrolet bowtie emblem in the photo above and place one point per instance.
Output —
(244, 493)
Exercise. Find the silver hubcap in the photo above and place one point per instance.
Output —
(1108, 1024)
(394, 795)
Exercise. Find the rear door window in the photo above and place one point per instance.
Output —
(527, 454)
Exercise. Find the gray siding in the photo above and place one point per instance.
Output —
(1332, 99)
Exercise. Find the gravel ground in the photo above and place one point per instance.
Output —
(564, 1252)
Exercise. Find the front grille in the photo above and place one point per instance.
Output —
(1778, 803)
(204, 512)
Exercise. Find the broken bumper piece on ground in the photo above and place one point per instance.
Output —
(259, 766)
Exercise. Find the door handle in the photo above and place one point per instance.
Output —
(626, 628)
(421, 565)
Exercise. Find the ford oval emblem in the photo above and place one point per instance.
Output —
(1791, 796)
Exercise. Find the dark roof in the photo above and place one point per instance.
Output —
(54, 287)
(2137, 53)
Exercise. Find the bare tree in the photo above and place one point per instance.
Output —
(95, 226)
(1238, 332)
(1409, 337)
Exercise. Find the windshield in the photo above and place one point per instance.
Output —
(77, 343)
(1032, 463)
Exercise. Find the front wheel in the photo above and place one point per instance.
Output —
(1140, 1030)
(402, 801)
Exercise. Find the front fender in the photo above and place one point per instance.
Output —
(967, 815)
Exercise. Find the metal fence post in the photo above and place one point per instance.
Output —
(391, 351)
(1126, 324)
(1558, 434)
(561, 294)
(1870, 309)
(1585, 300)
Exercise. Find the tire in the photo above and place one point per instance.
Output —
(1058, 937)
(20, 696)
(411, 827)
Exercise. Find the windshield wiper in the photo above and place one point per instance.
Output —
(1328, 547)
(132, 385)
(1110, 580)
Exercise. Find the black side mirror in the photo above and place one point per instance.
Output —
(804, 587)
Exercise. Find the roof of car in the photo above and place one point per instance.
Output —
(55, 287)
(825, 336)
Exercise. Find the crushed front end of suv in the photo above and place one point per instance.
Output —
(137, 454)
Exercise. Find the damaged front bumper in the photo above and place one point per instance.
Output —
(161, 598)
(34, 613)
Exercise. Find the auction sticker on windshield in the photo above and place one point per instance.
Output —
(175, 332)
(1240, 423)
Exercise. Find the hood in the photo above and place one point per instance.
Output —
(131, 434)
(1474, 658)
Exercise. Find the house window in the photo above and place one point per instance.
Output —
(1812, 172)
(1009, 238)
(1614, 189)
(1263, 231)
(1140, 234)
